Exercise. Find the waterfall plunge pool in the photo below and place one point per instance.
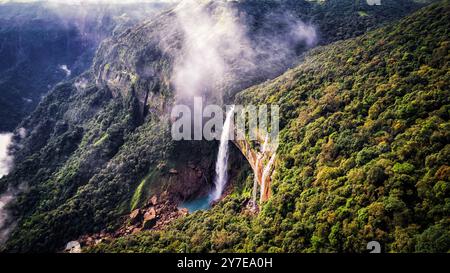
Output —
(221, 178)
(203, 203)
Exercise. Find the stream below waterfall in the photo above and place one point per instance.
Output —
(202, 203)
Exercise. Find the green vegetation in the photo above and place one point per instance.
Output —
(36, 39)
(364, 144)
(363, 13)
(364, 153)
(139, 195)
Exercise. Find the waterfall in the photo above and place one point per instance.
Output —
(265, 174)
(222, 158)
(255, 189)
(255, 182)
(258, 161)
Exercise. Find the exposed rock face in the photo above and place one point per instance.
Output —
(184, 211)
(194, 170)
(262, 162)
(139, 61)
(154, 200)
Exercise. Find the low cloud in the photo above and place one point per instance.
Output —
(220, 53)
(7, 224)
(213, 40)
(6, 163)
(6, 159)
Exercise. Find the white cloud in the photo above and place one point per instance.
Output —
(6, 223)
(66, 70)
(218, 51)
(6, 159)
(212, 41)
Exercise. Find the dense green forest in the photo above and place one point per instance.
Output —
(364, 153)
(363, 156)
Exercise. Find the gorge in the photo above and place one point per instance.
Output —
(362, 152)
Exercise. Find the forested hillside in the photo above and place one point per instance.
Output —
(364, 153)
(364, 140)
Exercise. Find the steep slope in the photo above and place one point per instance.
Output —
(363, 156)
(99, 145)
(42, 44)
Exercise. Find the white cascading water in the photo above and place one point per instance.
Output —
(258, 161)
(222, 158)
(265, 174)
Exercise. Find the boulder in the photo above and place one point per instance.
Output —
(135, 216)
(149, 218)
(73, 247)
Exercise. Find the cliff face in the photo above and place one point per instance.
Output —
(100, 144)
(140, 59)
(262, 162)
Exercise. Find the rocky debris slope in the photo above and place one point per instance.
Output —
(156, 214)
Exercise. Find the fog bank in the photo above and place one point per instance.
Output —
(6, 159)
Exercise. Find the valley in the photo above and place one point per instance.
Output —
(362, 151)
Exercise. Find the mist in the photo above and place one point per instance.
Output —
(94, 19)
(6, 222)
(213, 39)
(7, 198)
(6, 162)
(6, 159)
(222, 53)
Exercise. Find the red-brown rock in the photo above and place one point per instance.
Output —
(135, 216)
(149, 218)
